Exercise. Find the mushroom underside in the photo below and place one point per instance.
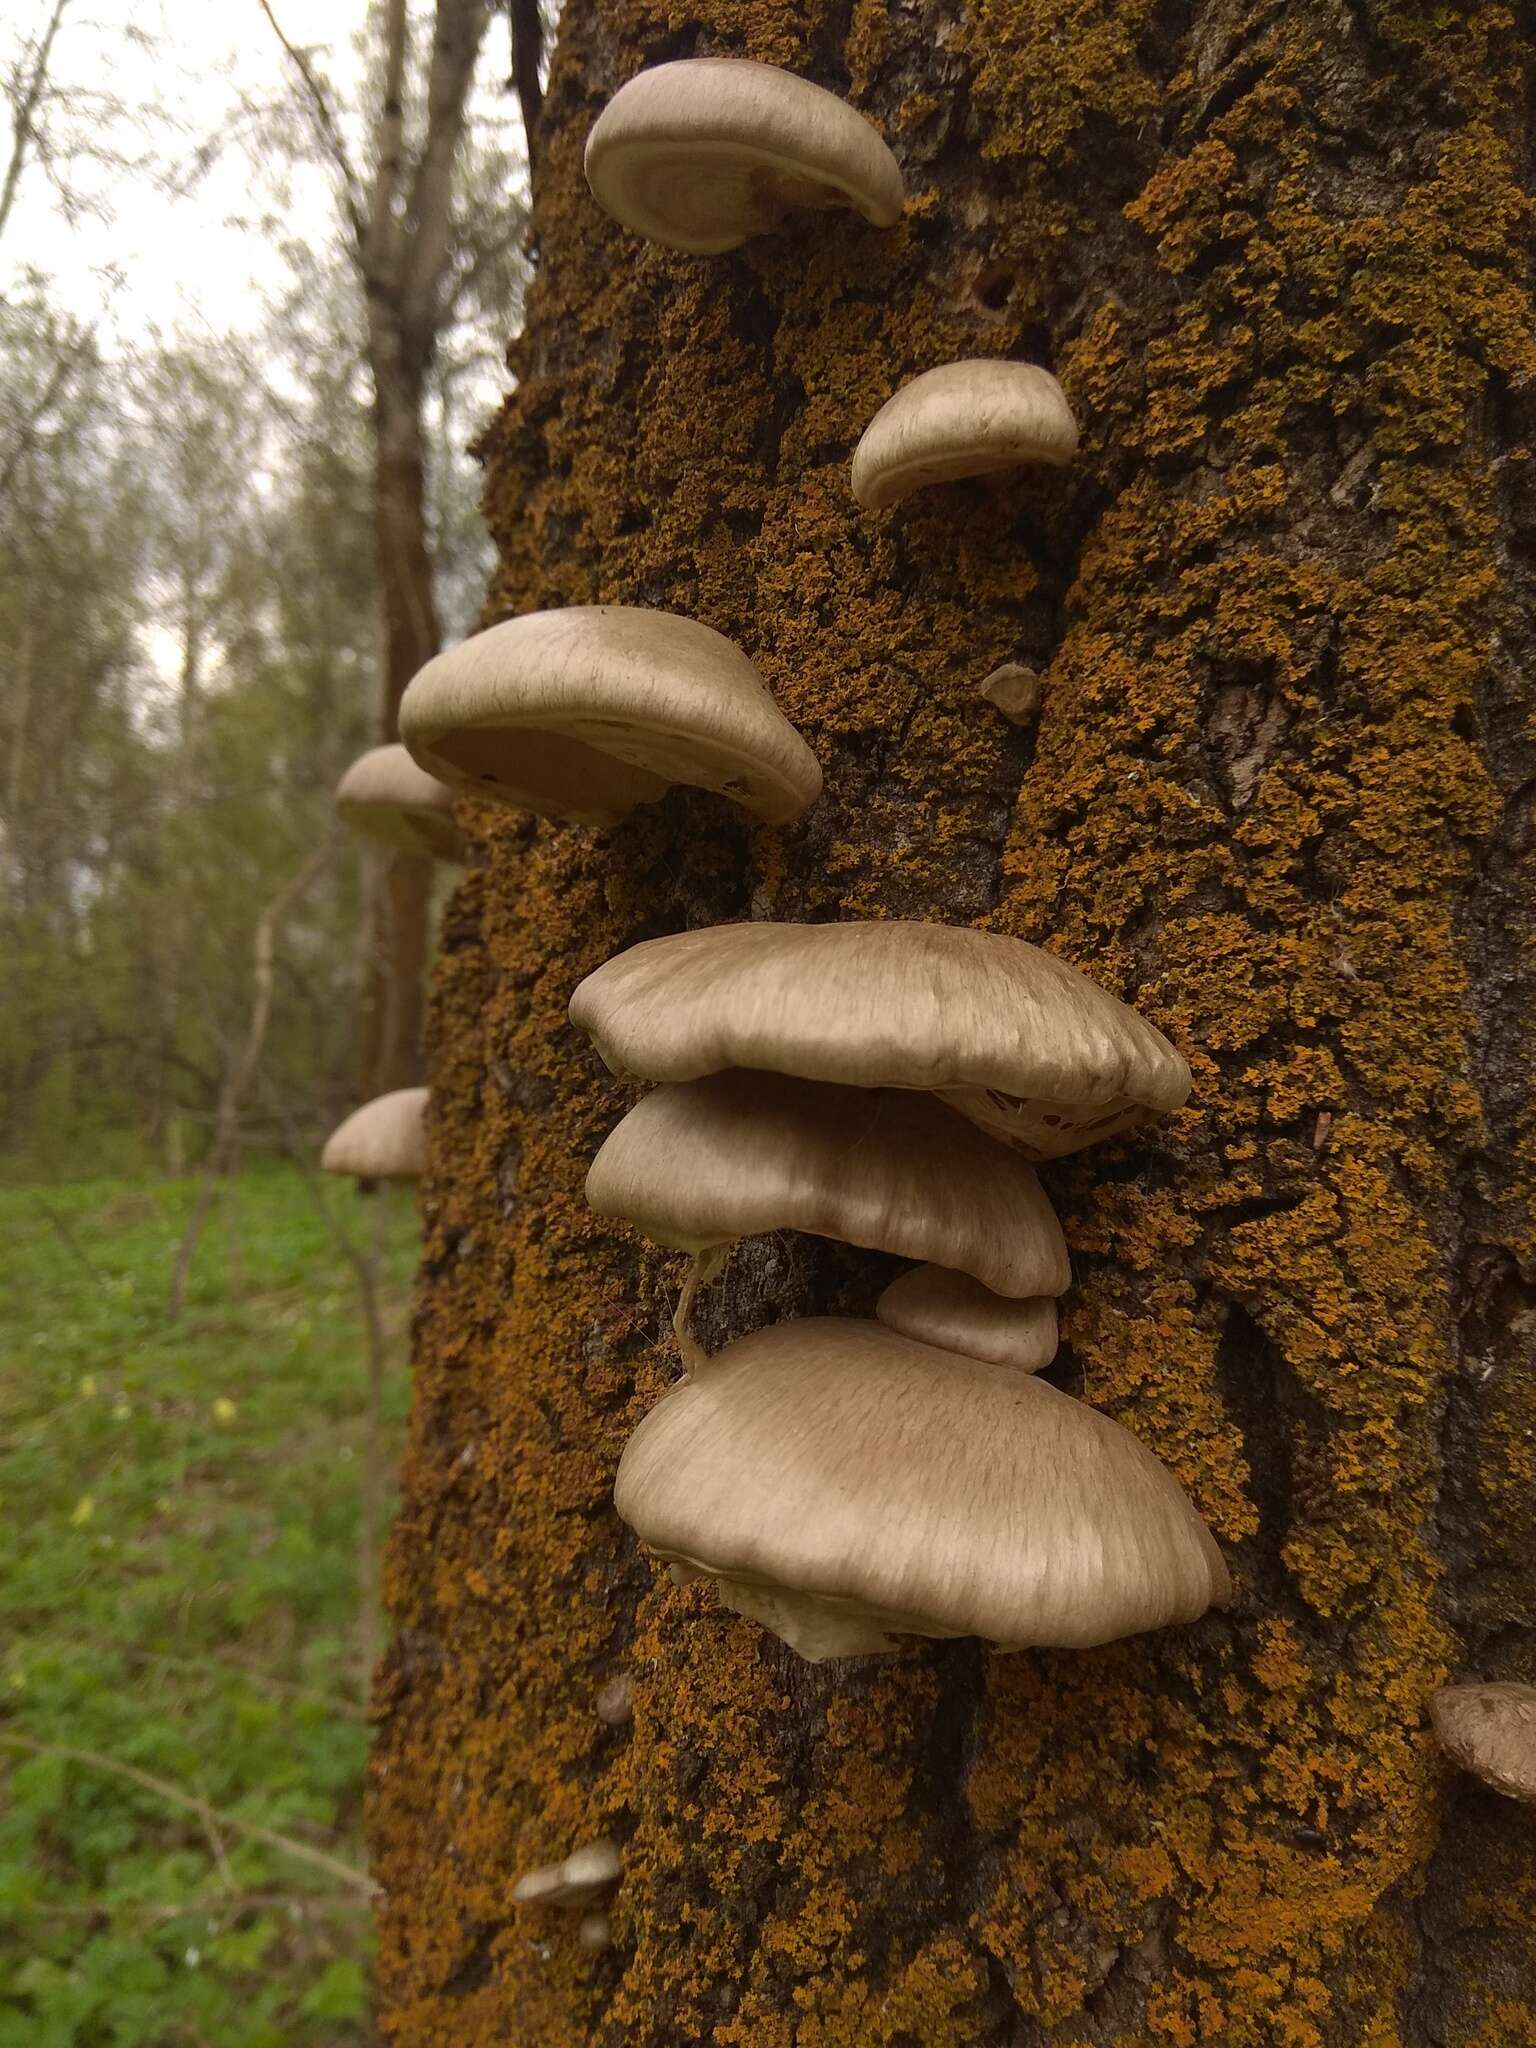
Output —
(708, 197)
(594, 770)
(816, 1626)
(1043, 1128)
(977, 458)
(409, 831)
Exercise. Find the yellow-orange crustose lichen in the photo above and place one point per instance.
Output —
(1276, 795)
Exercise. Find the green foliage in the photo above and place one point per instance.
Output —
(187, 597)
(178, 1558)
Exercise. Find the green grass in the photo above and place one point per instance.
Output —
(179, 1595)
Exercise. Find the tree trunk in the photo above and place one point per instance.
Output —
(393, 1052)
(1279, 796)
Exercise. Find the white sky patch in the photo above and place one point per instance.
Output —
(195, 260)
(140, 259)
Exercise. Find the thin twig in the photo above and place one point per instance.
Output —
(242, 1070)
(220, 1907)
(28, 99)
(325, 122)
(71, 1241)
(174, 1795)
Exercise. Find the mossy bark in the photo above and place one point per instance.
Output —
(1280, 795)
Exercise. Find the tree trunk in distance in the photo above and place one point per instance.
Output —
(393, 1051)
(1278, 796)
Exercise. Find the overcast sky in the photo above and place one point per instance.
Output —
(184, 262)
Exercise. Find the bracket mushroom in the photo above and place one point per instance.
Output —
(844, 1484)
(698, 1164)
(385, 797)
(703, 153)
(585, 712)
(1490, 1730)
(585, 1876)
(1021, 1043)
(384, 1140)
(963, 419)
(954, 1312)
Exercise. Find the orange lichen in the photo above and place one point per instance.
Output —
(1278, 261)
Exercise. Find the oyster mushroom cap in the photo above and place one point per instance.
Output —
(955, 1312)
(385, 797)
(1490, 1730)
(384, 1140)
(703, 153)
(702, 1163)
(586, 1874)
(962, 419)
(585, 712)
(1018, 1041)
(868, 1484)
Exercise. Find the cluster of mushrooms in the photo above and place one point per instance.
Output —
(845, 1482)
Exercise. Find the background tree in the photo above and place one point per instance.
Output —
(432, 216)
(1278, 795)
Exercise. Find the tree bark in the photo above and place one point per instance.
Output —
(1279, 795)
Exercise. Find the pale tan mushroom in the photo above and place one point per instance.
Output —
(698, 1164)
(955, 1312)
(1490, 1730)
(963, 419)
(384, 1140)
(1021, 1043)
(585, 1875)
(1015, 690)
(703, 153)
(701, 1163)
(387, 798)
(616, 1700)
(585, 712)
(844, 1484)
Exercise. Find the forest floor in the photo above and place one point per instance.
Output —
(179, 1599)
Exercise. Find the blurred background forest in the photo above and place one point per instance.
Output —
(193, 1463)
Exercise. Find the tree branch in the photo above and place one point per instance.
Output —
(457, 35)
(527, 26)
(389, 145)
(24, 111)
(26, 433)
(242, 1068)
(326, 127)
(210, 1816)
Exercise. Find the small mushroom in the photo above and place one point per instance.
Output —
(1021, 1043)
(702, 153)
(1014, 689)
(844, 1484)
(585, 712)
(1490, 1730)
(384, 1140)
(615, 1701)
(585, 1875)
(956, 1313)
(963, 419)
(595, 1933)
(386, 797)
(698, 1164)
